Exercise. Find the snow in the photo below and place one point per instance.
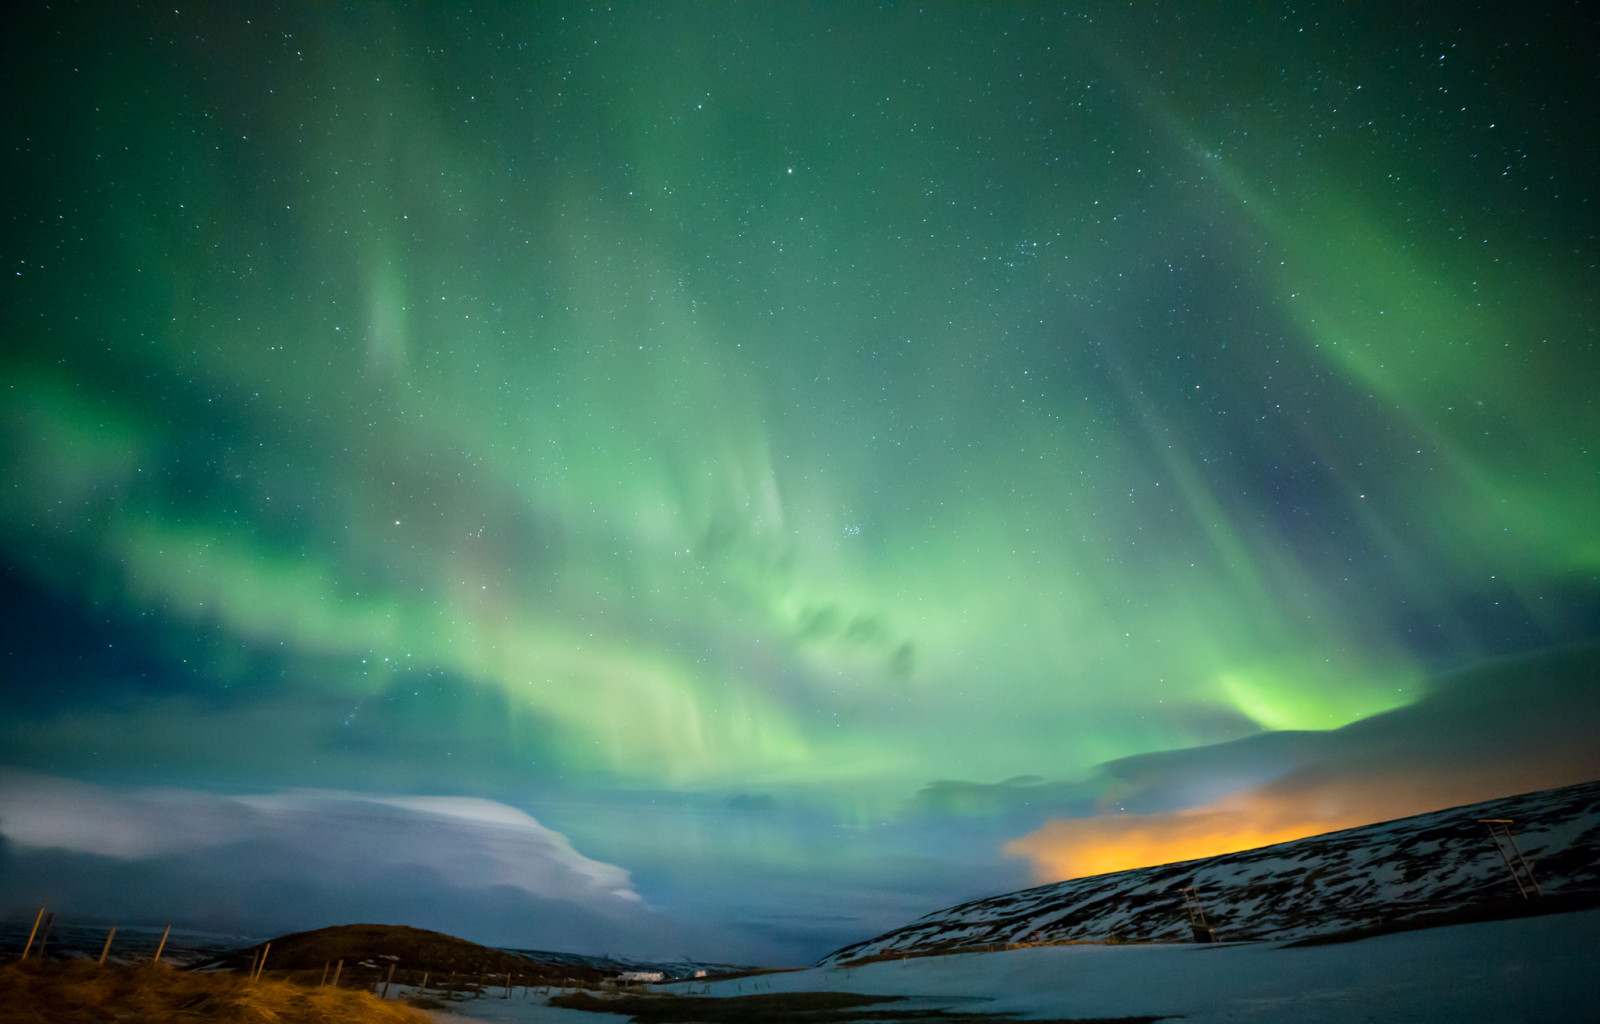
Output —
(1536, 969)
(1394, 871)
(517, 1009)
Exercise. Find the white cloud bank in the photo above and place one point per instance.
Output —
(468, 843)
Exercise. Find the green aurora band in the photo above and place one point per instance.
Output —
(663, 399)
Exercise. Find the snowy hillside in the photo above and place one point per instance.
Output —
(1427, 867)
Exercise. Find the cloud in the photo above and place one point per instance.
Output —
(753, 877)
(1514, 726)
(465, 843)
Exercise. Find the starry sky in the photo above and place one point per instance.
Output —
(722, 481)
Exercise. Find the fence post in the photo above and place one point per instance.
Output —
(1203, 932)
(1500, 828)
(49, 923)
(336, 969)
(163, 945)
(107, 947)
(29, 947)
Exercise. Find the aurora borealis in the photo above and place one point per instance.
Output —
(783, 453)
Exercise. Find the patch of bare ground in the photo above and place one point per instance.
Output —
(793, 1008)
(78, 992)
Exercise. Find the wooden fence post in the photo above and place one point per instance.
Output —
(29, 947)
(44, 936)
(263, 964)
(325, 965)
(1198, 925)
(1516, 863)
(163, 945)
(107, 947)
(388, 979)
(338, 967)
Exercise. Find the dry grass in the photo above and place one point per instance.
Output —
(78, 992)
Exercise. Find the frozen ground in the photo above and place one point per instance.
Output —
(1539, 969)
(1392, 872)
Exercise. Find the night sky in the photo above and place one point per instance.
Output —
(724, 481)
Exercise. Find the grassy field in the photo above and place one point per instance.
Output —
(78, 992)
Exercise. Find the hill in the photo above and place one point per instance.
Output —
(1434, 868)
(367, 950)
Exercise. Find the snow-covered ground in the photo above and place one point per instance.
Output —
(1537, 969)
(517, 1010)
(1396, 871)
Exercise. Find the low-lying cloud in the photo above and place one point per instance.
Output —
(468, 842)
(301, 859)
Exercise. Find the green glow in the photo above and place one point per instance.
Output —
(1455, 339)
(732, 441)
(1278, 697)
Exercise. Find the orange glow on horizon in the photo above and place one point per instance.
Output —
(1078, 848)
(1291, 808)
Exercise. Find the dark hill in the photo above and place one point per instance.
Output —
(366, 948)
